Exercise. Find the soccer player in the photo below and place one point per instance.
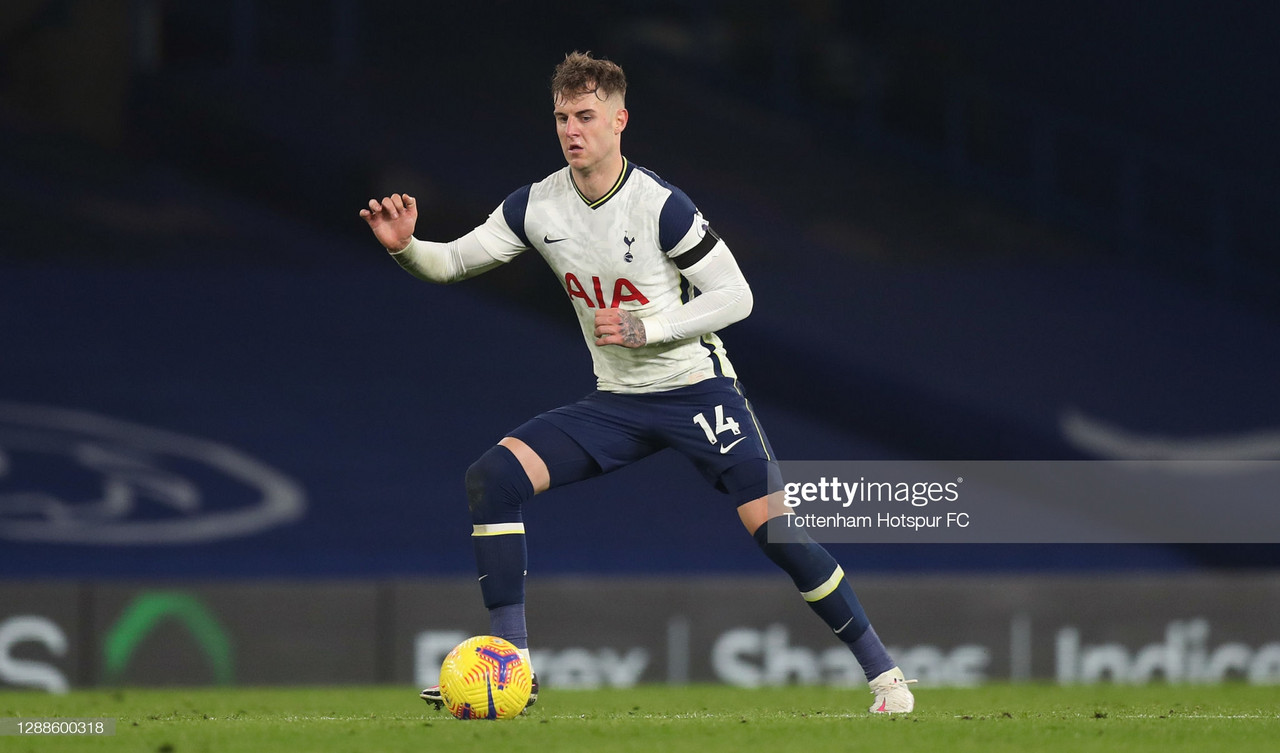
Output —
(651, 283)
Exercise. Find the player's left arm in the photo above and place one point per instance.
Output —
(724, 298)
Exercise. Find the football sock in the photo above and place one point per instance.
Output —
(508, 622)
(825, 588)
(871, 652)
(497, 487)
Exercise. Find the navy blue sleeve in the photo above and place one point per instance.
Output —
(513, 210)
(675, 219)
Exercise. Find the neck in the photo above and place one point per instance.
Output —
(596, 180)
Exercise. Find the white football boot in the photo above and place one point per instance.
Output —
(892, 694)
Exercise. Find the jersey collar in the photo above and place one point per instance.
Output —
(617, 186)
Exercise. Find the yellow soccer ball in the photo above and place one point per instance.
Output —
(485, 677)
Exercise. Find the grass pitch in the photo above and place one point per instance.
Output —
(706, 719)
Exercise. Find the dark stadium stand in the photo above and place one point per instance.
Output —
(204, 273)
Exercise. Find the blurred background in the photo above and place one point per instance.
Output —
(982, 231)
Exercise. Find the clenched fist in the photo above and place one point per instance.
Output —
(618, 327)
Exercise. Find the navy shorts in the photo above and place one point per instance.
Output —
(710, 422)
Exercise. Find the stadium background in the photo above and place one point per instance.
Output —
(970, 233)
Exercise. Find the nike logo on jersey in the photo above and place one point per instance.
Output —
(724, 450)
(549, 240)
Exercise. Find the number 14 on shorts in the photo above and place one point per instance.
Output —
(723, 424)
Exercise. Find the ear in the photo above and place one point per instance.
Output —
(620, 120)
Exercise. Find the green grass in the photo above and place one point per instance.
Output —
(706, 719)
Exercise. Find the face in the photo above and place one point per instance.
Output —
(590, 130)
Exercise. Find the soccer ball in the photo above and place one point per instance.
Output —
(485, 677)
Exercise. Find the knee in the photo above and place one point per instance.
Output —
(776, 534)
(496, 482)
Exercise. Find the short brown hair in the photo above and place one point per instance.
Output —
(579, 74)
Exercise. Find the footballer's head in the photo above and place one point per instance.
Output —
(590, 109)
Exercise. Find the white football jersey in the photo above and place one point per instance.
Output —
(619, 251)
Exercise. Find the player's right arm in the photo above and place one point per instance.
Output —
(393, 220)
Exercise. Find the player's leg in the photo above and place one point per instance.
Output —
(816, 574)
(534, 458)
(531, 460)
(498, 484)
(714, 425)
(578, 441)
(825, 588)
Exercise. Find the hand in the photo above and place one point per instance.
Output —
(618, 327)
(392, 220)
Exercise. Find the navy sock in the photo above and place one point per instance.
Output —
(502, 563)
(872, 654)
(825, 588)
(508, 622)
